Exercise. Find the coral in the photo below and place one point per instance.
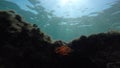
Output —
(63, 50)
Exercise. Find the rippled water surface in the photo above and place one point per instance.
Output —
(68, 19)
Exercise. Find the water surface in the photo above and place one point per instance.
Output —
(68, 19)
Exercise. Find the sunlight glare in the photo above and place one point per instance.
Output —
(66, 2)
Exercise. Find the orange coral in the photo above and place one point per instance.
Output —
(63, 50)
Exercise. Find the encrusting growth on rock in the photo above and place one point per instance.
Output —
(63, 50)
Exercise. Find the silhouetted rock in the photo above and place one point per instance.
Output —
(22, 43)
(101, 49)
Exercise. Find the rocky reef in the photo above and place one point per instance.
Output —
(24, 45)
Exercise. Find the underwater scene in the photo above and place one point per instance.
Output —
(59, 33)
(68, 19)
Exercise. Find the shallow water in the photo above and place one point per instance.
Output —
(68, 19)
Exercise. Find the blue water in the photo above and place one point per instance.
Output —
(68, 19)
